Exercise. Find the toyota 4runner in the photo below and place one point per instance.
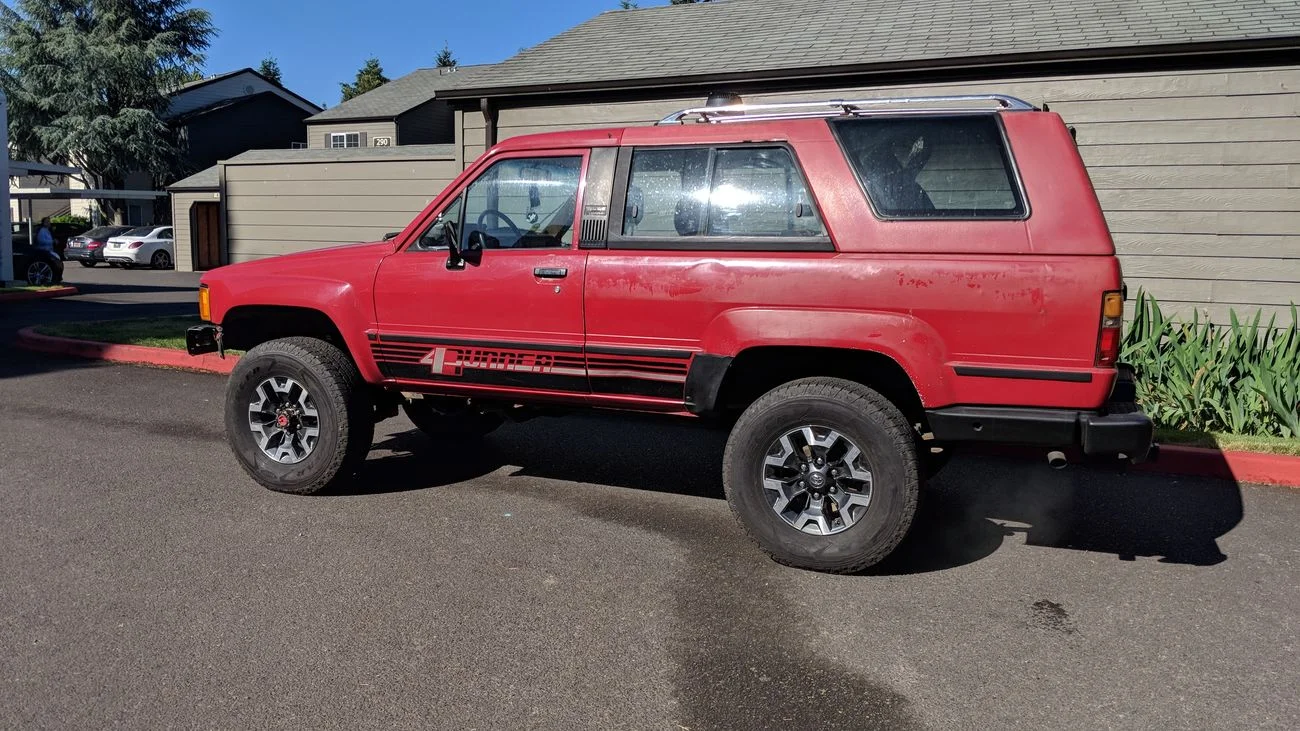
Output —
(858, 284)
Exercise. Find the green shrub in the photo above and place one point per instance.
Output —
(1239, 378)
(66, 218)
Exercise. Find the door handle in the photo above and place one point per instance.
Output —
(550, 272)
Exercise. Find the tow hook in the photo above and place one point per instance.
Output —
(1057, 460)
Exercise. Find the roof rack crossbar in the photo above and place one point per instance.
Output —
(848, 108)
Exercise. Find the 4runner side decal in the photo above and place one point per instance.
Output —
(608, 370)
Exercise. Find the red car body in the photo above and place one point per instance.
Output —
(948, 301)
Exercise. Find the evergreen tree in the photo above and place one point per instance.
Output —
(270, 68)
(87, 83)
(369, 77)
(445, 60)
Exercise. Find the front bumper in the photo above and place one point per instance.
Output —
(202, 339)
(1118, 429)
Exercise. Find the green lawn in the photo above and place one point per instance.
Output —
(1229, 442)
(157, 332)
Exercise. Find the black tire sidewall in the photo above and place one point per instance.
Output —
(874, 535)
(250, 373)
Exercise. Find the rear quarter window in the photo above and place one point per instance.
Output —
(933, 167)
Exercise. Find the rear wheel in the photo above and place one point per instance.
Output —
(39, 274)
(297, 415)
(87, 262)
(161, 260)
(447, 418)
(823, 474)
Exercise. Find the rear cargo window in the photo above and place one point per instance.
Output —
(932, 167)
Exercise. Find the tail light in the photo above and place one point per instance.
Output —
(94, 244)
(136, 245)
(1112, 327)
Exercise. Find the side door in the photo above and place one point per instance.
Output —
(509, 317)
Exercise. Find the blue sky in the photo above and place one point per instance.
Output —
(319, 44)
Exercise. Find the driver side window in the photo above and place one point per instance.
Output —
(445, 224)
(523, 203)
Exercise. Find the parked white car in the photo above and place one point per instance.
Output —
(146, 245)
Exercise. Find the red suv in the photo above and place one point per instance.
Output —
(857, 283)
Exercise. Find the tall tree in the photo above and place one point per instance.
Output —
(87, 82)
(627, 5)
(445, 60)
(270, 68)
(369, 77)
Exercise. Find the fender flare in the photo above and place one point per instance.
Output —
(907, 340)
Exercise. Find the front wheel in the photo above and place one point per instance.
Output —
(444, 418)
(298, 416)
(823, 474)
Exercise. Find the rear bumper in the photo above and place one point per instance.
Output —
(1118, 429)
(202, 339)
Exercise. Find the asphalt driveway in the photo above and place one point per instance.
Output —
(585, 573)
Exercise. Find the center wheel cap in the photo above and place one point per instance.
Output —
(282, 421)
(816, 480)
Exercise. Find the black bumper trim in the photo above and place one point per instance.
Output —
(1120, 429)
(202, 339)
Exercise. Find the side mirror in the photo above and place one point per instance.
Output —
(471, 253)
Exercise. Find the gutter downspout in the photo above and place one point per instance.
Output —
(489, 122)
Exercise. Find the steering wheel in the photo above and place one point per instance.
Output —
(519, 234)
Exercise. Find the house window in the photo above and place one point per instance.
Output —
(340, 140)
(298, 145)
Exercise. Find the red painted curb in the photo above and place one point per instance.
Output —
(41, 295)
(138, 354)
(1266, 469)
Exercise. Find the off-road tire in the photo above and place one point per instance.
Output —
(869, 420)
(443, 421)
(346, 418)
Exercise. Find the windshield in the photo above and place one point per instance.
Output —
(142, 231)
(95, 233)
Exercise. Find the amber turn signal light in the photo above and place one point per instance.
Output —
(205, 304)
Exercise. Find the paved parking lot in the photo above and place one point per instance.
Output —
(585, 573)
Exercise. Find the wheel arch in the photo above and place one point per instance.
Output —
(248, 325)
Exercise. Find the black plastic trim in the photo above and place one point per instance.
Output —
(1023, 374)
(704, 382)
(1121, 429)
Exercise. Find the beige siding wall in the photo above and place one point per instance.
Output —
(1198, 172)
(182, 234)
(316, 132)
(278, 208)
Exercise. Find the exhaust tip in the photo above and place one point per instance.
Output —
(1056, 460)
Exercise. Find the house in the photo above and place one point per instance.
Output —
(216, 118)
(405, 111)
(1186, 113)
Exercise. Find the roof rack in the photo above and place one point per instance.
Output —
(849, 108)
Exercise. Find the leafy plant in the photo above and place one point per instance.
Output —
(1242, 378)
(74, 220)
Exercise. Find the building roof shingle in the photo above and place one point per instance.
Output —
(759, 37)
(399, 95)
(202, 180)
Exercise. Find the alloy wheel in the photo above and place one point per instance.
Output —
(817, 480)
(283, 419)
(40, 274)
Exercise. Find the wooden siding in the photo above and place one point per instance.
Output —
(182, 235)
(316, 132)
(278, 208)
(1198, 172)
